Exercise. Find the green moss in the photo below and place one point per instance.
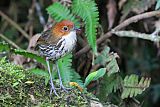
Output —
(33, 93)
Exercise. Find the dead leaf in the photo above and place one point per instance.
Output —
(18, 59)
(112, 12)
(32, 43)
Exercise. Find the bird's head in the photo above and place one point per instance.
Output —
(63, 28)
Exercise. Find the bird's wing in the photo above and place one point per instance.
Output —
(47, 38)
(45, 35)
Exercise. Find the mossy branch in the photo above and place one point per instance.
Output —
(134, 34)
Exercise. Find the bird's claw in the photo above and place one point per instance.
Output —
(64, 88)
(53, 90)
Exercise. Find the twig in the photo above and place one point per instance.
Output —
(14, 24)
(38, 9)
(120, 26)
(9, 41)
(136, 18)
(132, 34)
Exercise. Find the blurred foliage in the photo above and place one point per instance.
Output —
(4, 47)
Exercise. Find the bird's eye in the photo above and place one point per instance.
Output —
(65, 28)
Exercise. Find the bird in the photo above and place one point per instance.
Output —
(56, 42)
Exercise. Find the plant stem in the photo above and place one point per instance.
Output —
(9, 41)
(15, 25)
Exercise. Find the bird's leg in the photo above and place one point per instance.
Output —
(60, 80)
(51, 80)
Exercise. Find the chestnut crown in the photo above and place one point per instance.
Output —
(63, 28)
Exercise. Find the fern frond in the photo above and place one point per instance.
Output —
(77, 78)
(68, 74)
(102, 58)
(109, 60)
(59, 12)
(88, 11)
(132, 87)
(66, 71)
(109, 84)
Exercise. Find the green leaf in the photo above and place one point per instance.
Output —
(30, 55)
(88, 11)
(157, 5)
(4, 47)
(109, 84)
(108, 60)
(94, 76)
(132, 86)
(59, 12)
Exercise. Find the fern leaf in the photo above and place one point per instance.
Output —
(30, 55)
(102, 58)
(133, 87)
(88, 11)
(66, 71)
(109, 84)
(59, 12)
(109, 60)
(112, 66)
(77, 78)
(68, 74)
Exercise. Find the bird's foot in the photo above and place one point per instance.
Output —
(53, 90)
(64, 88)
